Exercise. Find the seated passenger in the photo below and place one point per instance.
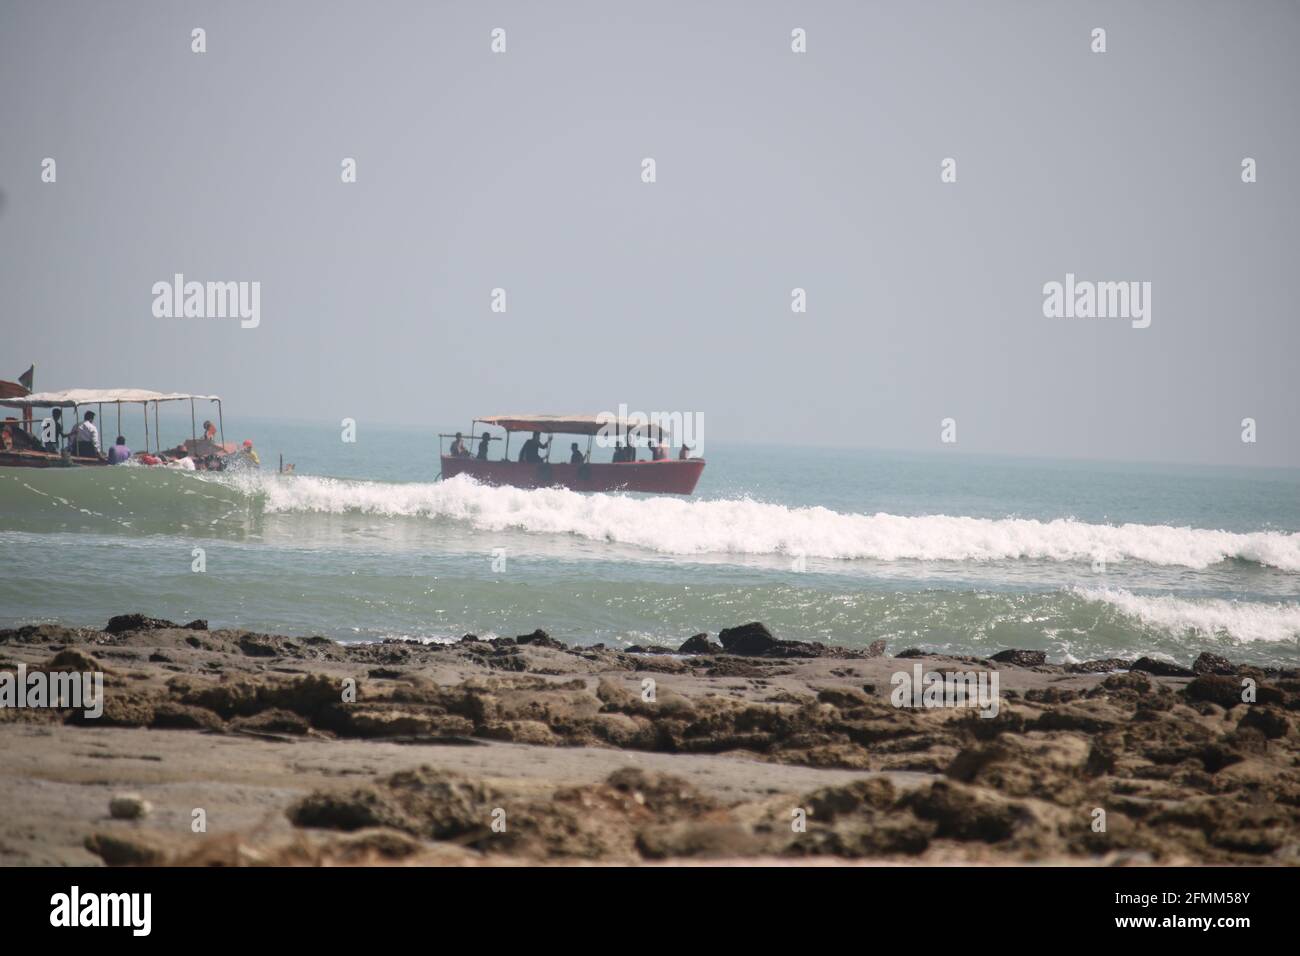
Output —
(483, 447)
(458, 449)
(576, 457)
(685, 453)
(658, 452)
(119, 454)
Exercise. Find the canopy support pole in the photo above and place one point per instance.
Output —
(145, 406)
(193, 428)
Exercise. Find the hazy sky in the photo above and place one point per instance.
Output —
(775, 170)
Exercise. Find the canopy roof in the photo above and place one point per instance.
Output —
(569, 424)
(95, 396)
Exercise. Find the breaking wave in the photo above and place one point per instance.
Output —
(748, 527)
(1241, 620)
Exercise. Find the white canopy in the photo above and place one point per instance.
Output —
(95, 396)
(580, 424)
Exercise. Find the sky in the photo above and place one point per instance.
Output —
(774, 170)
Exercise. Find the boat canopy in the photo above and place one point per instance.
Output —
(73, 397)
(570, 424)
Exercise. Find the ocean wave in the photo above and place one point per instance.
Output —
(1241, 620)
(746, 527)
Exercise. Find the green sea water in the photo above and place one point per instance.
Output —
(941, 551)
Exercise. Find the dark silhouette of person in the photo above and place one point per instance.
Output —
(531, 453)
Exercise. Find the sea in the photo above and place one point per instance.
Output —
(947, 552)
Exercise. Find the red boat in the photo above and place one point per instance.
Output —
(661, 475)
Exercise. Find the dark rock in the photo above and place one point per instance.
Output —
(748, 640)
(1150, 665)
(274, 721)
(1272, 723)
(1217, 689)
(71, 659)
(540, 638)
(1209, 663)
(126, 849)
(755, 640)
(911, 652)
(962, 814)
(169, 715)
(135, 622)
(876, 648)
(699, 644)
(1215, 757)
(198, 624)
(257, 646)
(845, 698)
(1103, 666)
(1021, 658)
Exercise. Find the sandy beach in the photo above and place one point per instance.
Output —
(524, 750)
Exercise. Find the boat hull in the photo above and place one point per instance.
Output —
(11, 458)
(671, 477)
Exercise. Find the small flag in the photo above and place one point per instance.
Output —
(25, 380)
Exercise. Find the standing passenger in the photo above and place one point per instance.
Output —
(86, 438)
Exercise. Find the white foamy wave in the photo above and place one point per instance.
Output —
(1242, 620)
(688, 526)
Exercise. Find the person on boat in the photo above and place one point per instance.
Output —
(658, 452)
(57, 415)
(249, 454)
(483, 447)
(531, 453)
(119, 454)
(685, 453)
(183, 461)
(209, 431)
(576, 457)
(458, 449)
(618, 453)
(86, 438)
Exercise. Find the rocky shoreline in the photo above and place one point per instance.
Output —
(526, 750)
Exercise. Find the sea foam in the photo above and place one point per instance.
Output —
(685, 526)
(1243, 620)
